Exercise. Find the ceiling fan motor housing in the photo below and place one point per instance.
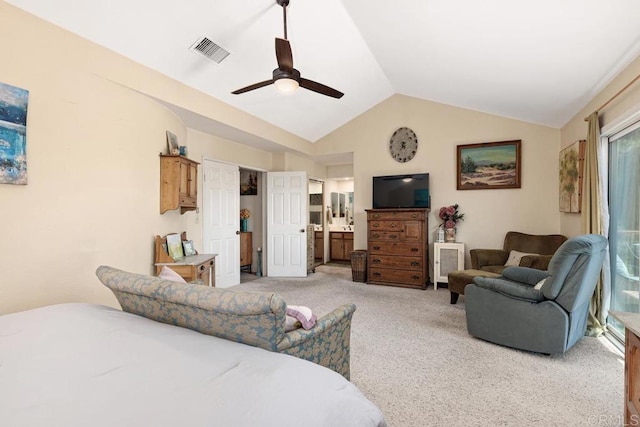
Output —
(282, 74)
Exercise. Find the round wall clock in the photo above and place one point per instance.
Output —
(403, 145)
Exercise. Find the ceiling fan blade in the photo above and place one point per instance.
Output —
(320, 88)
(283, 55)
(252, 87)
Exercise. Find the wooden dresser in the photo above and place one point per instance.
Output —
(398, 247)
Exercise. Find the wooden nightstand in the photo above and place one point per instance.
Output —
(447, 257)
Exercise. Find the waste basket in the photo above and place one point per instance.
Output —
(359, 266)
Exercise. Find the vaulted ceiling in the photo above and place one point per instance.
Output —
(538, 61)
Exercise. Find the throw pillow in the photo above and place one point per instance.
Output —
(515, 257)
(168, 274)
(298, 315)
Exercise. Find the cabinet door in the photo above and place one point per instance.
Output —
(319, 246)
(246, 249)
(347, 248)
(336, 246)
(192, 188)
(184, 178)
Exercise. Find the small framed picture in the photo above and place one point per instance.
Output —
(172, 144)
(188, 247)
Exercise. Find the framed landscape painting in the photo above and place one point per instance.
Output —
(571, 169)
(490, 165)
(13, 134)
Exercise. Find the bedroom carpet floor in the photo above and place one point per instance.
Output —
(412, 356)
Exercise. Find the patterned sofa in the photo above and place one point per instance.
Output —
(253, 318)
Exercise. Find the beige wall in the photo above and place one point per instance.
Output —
(93, 139)
(92, 149)
(489, 214)
(576, 129)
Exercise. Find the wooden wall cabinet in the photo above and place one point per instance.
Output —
(246, 249)
(341, 245)
(178, 183)
(398, 247)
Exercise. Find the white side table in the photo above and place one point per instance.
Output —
(447, 257)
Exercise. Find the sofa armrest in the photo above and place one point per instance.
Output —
(525, 275)
(482, 257)
(327, 343)
(508, 288)
(539, 262)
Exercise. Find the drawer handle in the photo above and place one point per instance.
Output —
(376, 216)
(377, 248)
(415, 264)
(393, 225)
(202, 268)
(414, 277)
(415, 249)
(375, 225)
(394, 236)
(376, 274)
(375, 261)
(376, 236)
(414, 216)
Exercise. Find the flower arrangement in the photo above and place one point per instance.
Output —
(450, 216)
(245, 213)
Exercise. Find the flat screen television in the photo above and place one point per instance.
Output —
(401, 191)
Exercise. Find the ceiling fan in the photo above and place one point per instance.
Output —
(285, 77)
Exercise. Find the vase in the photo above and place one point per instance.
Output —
(449, 234)
(243, 224)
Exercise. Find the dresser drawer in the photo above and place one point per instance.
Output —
(390, 248)
(386, 225)
(392, 261)
(392, 236)
(395, 216)
(408, 277)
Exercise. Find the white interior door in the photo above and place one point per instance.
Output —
(287, 200)
(221, 220)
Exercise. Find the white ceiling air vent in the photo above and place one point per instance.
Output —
(206, 47)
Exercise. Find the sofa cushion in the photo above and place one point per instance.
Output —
(515, 257)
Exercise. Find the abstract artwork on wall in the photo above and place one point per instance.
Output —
(13, 134)
(490, 165)
(571, 168)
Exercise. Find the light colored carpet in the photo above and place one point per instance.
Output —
(412, 356)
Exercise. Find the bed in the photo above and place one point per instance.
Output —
(91, 365)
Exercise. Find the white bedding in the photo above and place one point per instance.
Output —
(90, 365)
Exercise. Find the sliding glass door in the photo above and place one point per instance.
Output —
(624, 238)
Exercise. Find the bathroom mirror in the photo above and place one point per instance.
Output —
(335, 204)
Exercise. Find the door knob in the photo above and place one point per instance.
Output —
(302, 230)
(238, 232)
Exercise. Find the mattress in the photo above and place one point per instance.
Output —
(91, 365)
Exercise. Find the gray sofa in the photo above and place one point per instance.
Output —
(253, 318)
(511, 311)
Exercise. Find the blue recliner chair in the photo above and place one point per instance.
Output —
(535, 310)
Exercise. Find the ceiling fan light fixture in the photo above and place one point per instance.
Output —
(286, 85)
